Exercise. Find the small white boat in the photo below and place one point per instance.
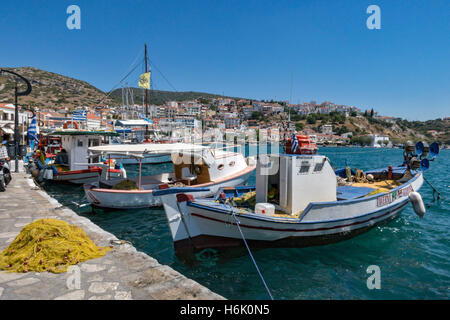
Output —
(297, 203)
(194, 166)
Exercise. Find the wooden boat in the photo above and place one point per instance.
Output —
(297, 202)
(194, 166)
(74, 166)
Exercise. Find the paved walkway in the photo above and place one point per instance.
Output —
(122, 273)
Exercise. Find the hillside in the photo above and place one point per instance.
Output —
(399, 131)
(159, 97)
(50, 90)
(57, 91)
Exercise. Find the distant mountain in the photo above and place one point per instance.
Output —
(50, 90)
(159, 97)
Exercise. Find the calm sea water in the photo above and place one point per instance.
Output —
(412, 253)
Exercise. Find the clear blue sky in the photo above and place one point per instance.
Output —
(248, 48)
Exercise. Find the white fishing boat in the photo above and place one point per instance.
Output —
(154, 138)
(194, 166)
(297, 202)
(70, 163)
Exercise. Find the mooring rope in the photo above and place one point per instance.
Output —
(251, 256)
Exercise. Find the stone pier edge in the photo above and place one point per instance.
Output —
(105, 237)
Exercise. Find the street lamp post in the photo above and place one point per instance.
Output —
(16, 113)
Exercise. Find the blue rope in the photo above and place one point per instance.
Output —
(251, 256)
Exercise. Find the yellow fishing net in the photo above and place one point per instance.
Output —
(49, 245)
(248, 198)
(126, 185)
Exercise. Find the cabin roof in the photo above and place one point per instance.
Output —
(84, 133)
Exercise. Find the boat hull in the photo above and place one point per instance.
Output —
(201, 224)
(83, 176)
(78, 176)
(135, 199)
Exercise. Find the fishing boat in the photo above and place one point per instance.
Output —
(71, 164)
(298, 201)
(300, 144)
(194, 166)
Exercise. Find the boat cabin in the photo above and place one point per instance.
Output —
(291, 182)
(50, 144)
(206, 165)
(76, 144)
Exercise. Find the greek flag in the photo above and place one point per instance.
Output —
(294, 143)
(79, 115)
(33, 130)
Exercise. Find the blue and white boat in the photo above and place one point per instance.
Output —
(298, 202)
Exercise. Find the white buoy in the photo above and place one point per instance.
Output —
(417, 203)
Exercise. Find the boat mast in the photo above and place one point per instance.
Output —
(146, 96)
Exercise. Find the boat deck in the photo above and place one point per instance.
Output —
(346, 192)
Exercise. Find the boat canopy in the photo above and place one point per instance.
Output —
(83, 133)
(147, 148)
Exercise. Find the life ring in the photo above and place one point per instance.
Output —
(75, 124)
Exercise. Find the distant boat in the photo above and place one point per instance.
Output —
(300, 144)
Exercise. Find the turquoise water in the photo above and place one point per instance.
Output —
(412, 253)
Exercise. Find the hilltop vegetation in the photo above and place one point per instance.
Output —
(399, 131)
(50, 90)
(159, 97)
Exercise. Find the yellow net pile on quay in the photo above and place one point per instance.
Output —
(49, 245)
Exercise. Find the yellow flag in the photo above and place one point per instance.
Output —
(144, 80)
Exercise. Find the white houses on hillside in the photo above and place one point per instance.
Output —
(380, 141)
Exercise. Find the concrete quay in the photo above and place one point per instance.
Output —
(122, 274)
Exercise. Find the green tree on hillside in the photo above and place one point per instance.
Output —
(299, 126)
